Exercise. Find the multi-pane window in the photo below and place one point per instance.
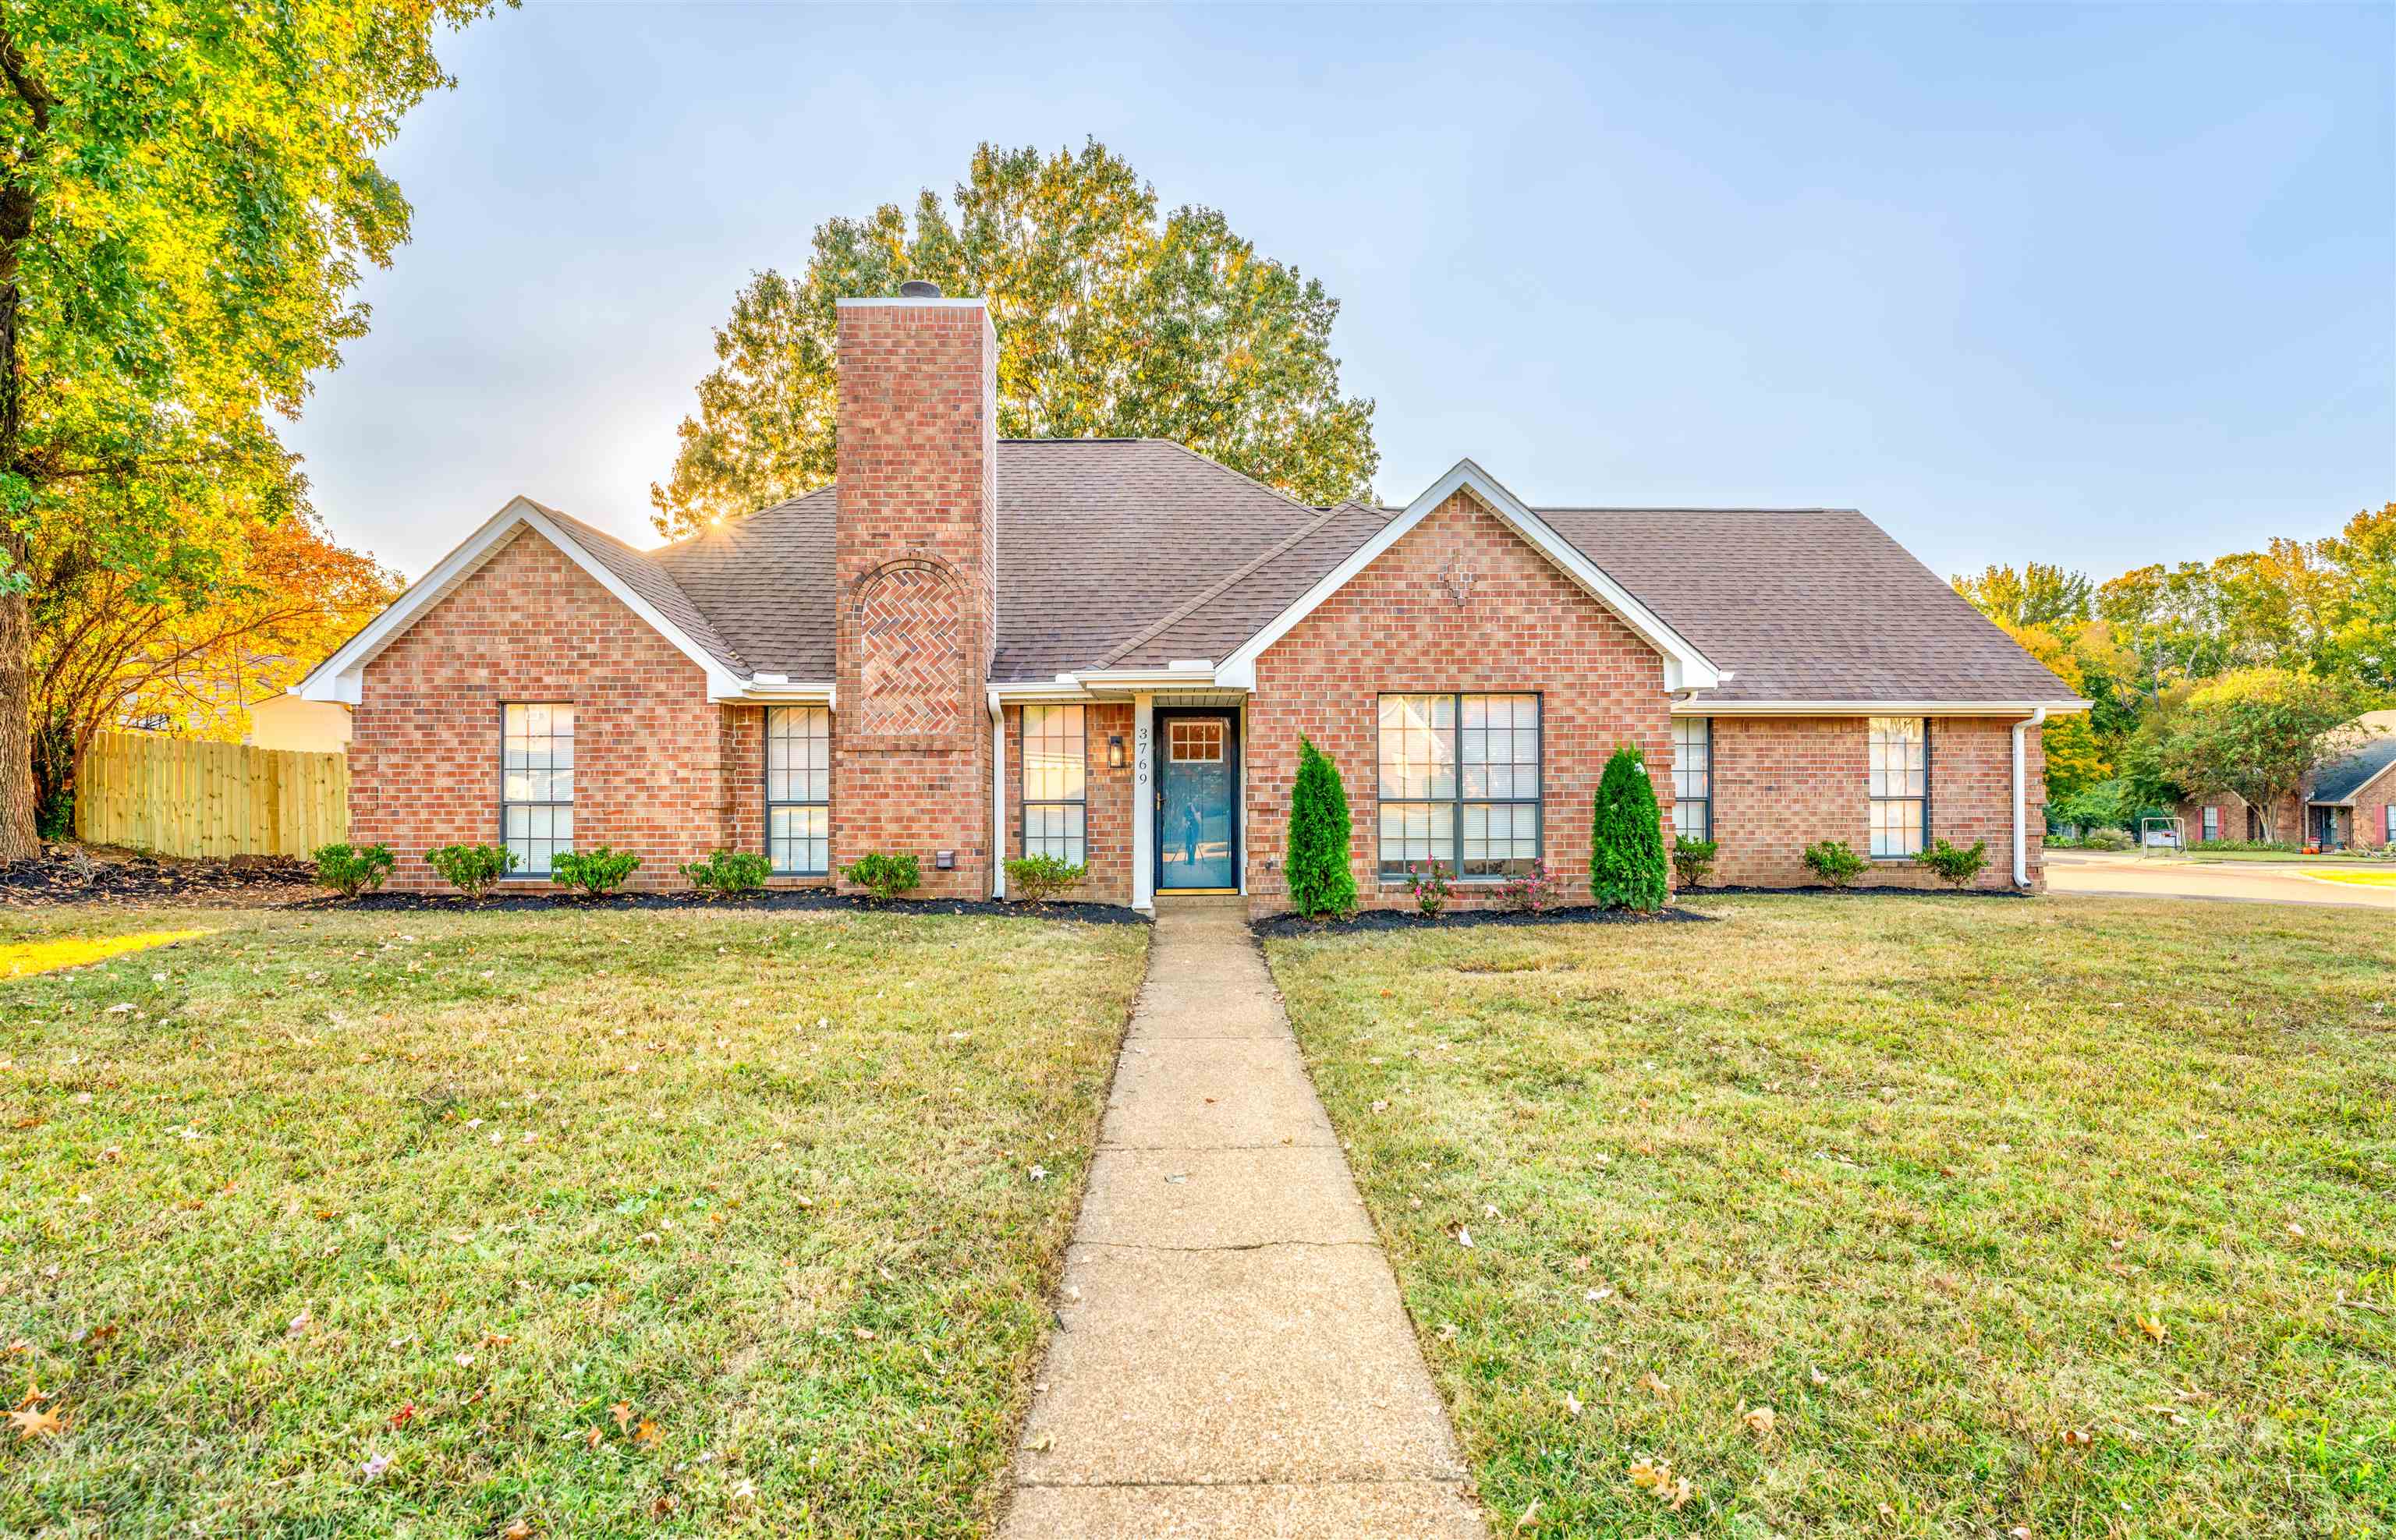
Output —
(1693, 777)
(536, 783)
(2213, 823)
(1901, 785)
(1459, 784)
(2387, 817)
(1056, 772)
(798, 790)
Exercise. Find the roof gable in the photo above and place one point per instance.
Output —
(631, 575)
(1685, 666)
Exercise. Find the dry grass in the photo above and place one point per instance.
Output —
(445, 1190)
(2077, 1214)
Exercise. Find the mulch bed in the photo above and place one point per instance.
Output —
(792, 899)
(1409, 919)
(74, 874)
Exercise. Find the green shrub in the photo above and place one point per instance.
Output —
(1834, 863)
(472, 870)
(727, 871)
(884, 877)
(1321, 881)
(1037, 879)
(53, 818)
(1955, 867)
(1428, 885)
(595, 871)
(348, 871)
(1625, 843)
(2106, 839)
(1693, 860)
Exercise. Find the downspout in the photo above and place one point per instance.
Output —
(998, 797)
(2021, 796)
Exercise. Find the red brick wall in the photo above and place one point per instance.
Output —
(2371, 803)
(2287, 819)
(650, 768)
(1783, 783)
(916, 557)
(1524, 626)
(1107, 813)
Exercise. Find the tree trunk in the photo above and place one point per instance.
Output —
(16, 837)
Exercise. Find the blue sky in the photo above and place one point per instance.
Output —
(2099, 287)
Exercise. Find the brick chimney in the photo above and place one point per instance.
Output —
(915, 549)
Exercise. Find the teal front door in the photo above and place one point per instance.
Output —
(1197, 802)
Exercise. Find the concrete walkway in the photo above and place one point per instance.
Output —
(1232, 1358)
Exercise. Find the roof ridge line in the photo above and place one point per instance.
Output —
(1245, 571)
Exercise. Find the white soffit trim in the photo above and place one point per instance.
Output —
(1874, 707)
(1685, 666)
(337, 678)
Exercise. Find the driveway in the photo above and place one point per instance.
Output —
(2128, 874)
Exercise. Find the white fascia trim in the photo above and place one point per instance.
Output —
(1685, 666)
(340, 676)
(1100, 684)
(818, 693)
(1875, 708)
(941, 303)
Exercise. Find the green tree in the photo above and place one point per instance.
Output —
(1321, 881)
(2257, 732)
(2036, 595)
(187, 193)
(2362, 639)
(1627, 864)
(1111, 322)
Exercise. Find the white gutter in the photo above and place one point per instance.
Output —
(2021, 796)
(1707, 707)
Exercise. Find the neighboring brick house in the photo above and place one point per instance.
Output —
(968, 648)
(2348, 803)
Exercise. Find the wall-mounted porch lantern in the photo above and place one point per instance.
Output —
(1114, 751)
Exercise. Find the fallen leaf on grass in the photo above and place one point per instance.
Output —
(744, 1491)
(35, 1422)
(520, 1530)
(622, 1413)
(647, 1434)
(591, 1435)
(1650, 1383)
(1818, 1376)
(1464, 1238)
(1572, 1404)
(2077, 1438)
(1530, 1515)
(1682, 1491)
(1645, 1472)
(2152, 1326)
(1759, 1420)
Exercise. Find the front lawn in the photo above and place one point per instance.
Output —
(1890, 1216)
(600, 1224)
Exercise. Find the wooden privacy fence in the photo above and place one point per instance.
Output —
(183, 798)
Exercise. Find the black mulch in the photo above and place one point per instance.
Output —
(791, 898)
(1406, 919)
(72, 874)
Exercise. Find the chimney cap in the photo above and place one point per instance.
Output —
(919, 288)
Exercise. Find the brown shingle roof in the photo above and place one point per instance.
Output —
(1132, 552)
(1807, 605)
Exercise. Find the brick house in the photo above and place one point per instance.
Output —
(2348, 802)
(970, 648)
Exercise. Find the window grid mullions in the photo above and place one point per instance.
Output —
(1055, 757)
(528, 753)
(1456, 802)
(800, 738)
